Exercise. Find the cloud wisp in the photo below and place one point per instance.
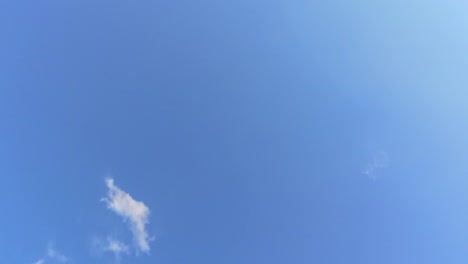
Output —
(52, 255)
(379, 162)
(135, 213)
(112, 245)
(116, 247)
(55, 255)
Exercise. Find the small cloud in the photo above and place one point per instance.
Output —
(135, 213)
(112, 245)
(379, 162)
(116, 247)
(55, 255)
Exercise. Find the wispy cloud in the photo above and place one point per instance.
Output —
(135, 213)
(380, 161)
(53, 255)
(112, 245)
(116, 247)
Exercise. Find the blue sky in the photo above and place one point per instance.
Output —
(172, 132)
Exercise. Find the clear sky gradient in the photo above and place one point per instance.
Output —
(245, 132)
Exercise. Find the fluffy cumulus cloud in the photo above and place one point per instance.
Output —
(134, 212)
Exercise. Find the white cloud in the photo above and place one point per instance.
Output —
(380, 161)
(134, 212)
(55, 255)
(116, 246)
(112, 245)
(52, 254)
